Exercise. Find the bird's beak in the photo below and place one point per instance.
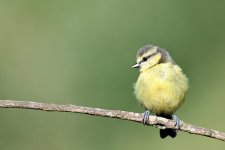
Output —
(137, 65)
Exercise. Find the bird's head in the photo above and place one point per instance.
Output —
(149, 56)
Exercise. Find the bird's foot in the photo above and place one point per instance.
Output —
(146, 116)
(177, 121)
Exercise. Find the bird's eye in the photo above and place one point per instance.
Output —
(144, 59)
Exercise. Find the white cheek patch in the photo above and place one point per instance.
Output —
(143, 63)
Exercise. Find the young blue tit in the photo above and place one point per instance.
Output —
(161, 86)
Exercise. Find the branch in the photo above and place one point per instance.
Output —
(158, 122)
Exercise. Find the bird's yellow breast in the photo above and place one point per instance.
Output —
(161, 88)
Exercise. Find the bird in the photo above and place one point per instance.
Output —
(161, 87)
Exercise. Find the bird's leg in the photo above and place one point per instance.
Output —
(146, 116)
(177, 121)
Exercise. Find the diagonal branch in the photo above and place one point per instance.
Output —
(158, 122)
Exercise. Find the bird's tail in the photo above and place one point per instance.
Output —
(167, 132)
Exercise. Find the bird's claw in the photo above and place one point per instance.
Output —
(177, 121)
(146, 117)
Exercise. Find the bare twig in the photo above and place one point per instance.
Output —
(124, 115)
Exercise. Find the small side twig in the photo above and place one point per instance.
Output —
(158, 122)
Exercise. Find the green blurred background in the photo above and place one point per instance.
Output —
(81, 52)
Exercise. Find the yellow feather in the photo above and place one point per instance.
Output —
(161, 88)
